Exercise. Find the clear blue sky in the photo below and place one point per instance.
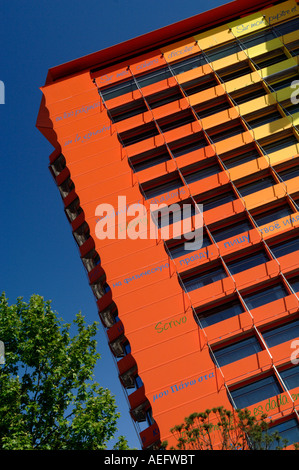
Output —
(38, 252)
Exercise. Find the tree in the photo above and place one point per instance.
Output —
(221, 429)
(48, 397)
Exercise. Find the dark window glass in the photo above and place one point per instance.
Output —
(236, 351)
(281, 334)
(294, 282)
(119, 89)
(279, 144)
(219, 200)
(223, 51)
(179, 249)
(289, 173)
(258, 38)
(153, 77)
(204, 278)
(265, 296)
(162, 188)
(231, 230)
(163, 217)
(271, 215)
(255, 186)
(138, 134)
(270, 58)
(287, 27)
(285, 247)
(223, 132)
(150, 158)
(186, 145)
(240, 159)
(247, 262)
(265, 119)
(291, 377)
(256, 391)
(287, 430)
(128, 110)
(232, 72)
(202, 173)
(199, 84)
(188, 64)
(283, 83)
(219, 313)
(214, 108)
(247, 94)
(164, 97)
(176, 120)
(294, 108)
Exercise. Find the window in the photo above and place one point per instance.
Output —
(224, 131)
(219, 313)
(281, 334)
(248, 93)
(290, 377)
(177, 248)
(153, 77)
(285, 247)
(234, 71)
(289, 173)
(249, 261)
(233, 228)
(150, 158)
(238, 350)
(247, 154)
(162, 185)
(283, 83)
(287, 27)
(255, 186)
(294, 282)
(164, 97)
(196, 172)
(271, 213)
(138, 134)
(119, 89)
(259, 118)
(281, 141)
(176, 120)
(212, 200)
(133, 108)
(287, 430)
(270, 58)
(196, 280)
(208, 108)
(188, 64)
(256, 391)
(164, 217)
(188, 144)
(223, 51)
(258, 38)
(199, 84)
(265, 295)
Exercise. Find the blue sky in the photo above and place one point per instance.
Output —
(39, 255)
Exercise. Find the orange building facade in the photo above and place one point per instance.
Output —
(204, 113)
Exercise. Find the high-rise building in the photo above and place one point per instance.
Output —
(201, 114)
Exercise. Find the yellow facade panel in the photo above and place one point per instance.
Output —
(271, 128)
(257, 103)
(276, 68)
(264, 18)
(232, 59)
(242, 82)
(214, 37)
(283, 155)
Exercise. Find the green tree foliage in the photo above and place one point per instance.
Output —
(48, 397)
(221, 429)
